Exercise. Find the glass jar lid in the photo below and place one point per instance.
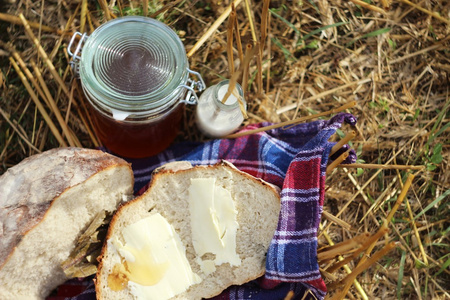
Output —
(133, 64)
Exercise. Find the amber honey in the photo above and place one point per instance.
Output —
(137, 140)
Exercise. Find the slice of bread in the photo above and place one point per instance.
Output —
(46, 201)
(257, 204)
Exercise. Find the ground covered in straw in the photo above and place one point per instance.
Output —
(391, 58)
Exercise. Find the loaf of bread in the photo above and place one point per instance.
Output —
(46, 201)
(138, 260)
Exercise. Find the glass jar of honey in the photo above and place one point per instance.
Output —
(135, 74)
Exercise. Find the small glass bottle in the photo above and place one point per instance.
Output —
(135, 74)
(216, 119)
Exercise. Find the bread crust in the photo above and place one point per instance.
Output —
(28, 190)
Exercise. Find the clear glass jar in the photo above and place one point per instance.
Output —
(217, 119)
(134, 73)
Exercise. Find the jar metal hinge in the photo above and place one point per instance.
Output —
(75, 63)
(191, 96)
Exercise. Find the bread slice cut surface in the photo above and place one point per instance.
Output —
(223, 218)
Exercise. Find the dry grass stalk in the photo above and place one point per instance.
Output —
(389, 192)
(4, 151)
(245, 68)
(145, 7)
(212, 29)
(237, 36)
(22, 136)
(42, 52)
(230, 28)
(416, 233)
(248, 10)
(25, 69)
(50, 65)
(400, 199)
(335, 220)
(337, 162)
(345, 247)
(290, 295)
(242, 107)
(348, 137)
(61, 38)
(165, 8)
(292, 122)
(54, 107)
(364, 246)
(269, 61)
(436, 46)
(345, 266)
(84, 9)
(264, 22)
(38, 103)
(16, 20)
(92, 21)
(104, 5)
(69, 106)
(433, 14)
(233, 79)
(383, 167)
(386, 4)
(369, 6)
(259, 71)
(323, 94)
(347, 281)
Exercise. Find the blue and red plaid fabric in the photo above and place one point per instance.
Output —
(295, 159)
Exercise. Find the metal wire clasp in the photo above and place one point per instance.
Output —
(191, 96)
(76, 54)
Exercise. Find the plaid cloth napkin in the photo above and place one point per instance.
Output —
(295, 159)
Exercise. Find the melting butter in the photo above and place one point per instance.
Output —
(213, 223)
(154, 261)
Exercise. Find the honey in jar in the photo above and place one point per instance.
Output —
(135, 74)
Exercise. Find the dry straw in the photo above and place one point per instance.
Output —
(145, 7)
(337, 162)
(212, 28)
(249, 11)
(433, 14)
(348, 137)
(84, 10)
(237, 35)
(14, 127)
(72, 140)
(38, 103)
(16, 20)
(292, 122)
(230, 29)
(323, 94)
(369, 6)
(347, 269)
(347, 281)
